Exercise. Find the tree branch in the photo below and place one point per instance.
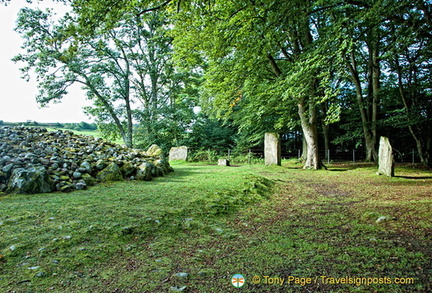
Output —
(155, 8)
(274, 65)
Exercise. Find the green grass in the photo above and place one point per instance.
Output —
(213, 222)
(94, 133)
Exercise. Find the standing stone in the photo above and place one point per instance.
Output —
(178, 153)
(272, 148)
(223, 162)
(385, 158)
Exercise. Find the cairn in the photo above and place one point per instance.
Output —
(33, 160)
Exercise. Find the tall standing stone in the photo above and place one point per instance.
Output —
(385, 158)
(272, 148)
(178, 153)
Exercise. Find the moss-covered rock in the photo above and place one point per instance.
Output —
(128, 169)
(89, 180)
(145, 171)
(154, 151)
(111, 173)
(31, 180)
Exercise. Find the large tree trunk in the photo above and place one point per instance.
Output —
(420, 144)
(304, 152)
(308, 118)
(325, 130)
(368, 119)
(415, 130)
(370, 144)
(375, 95)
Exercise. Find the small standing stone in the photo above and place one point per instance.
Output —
(223, 162)
(385, 158)
(178, 153)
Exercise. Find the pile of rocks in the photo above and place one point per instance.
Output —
(33, 160)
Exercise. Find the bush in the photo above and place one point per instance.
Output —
(204, 156)
(248, 158)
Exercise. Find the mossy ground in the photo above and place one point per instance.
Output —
(213, 222)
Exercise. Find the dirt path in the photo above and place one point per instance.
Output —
(330, 222)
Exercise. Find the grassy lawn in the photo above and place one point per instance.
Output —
(94, 133)
(311, 230)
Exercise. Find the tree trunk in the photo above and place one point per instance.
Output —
(308, 118)
(326, 130)
(109, 108)
(368, 120)
(424, 156)
(129, 138)
(304, 149)
(375, 74)
(370, 144)
(420, 143)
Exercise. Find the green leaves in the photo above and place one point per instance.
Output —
(260, 61)
(121, 67)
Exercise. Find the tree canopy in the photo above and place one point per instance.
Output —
(126, 71)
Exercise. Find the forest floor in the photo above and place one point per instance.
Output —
(284, 229)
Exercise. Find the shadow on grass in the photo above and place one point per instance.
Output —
(337, 169)
(415, 177)
(345, 166)
(179, 174)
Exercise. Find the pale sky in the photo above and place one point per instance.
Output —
(18, 97)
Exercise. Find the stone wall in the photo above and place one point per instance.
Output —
(33, 160)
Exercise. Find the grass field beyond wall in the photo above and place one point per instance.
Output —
(283, 228)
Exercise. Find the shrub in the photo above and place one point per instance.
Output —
(248, 158)
(204, 156)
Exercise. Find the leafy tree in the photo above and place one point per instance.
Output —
(59, 60)
(410, 61)
(374, 37)
(282, 67)
(127, 64)
(211, 134)
(169, 126)
(275, 65)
